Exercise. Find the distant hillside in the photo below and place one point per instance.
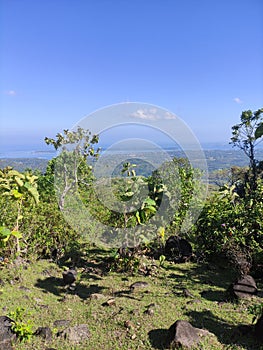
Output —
(21, 164)
(216, 159)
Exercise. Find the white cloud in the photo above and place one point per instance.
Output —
(151, 114)
(10, 92)
(237, 100)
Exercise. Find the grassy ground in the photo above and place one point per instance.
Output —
(129, 323)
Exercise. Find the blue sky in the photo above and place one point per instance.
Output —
(62, 59)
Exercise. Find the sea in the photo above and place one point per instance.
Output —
(45, 152)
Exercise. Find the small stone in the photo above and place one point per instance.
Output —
(194, 301)
(128, 324)
(97, 296)
(135, 312)
(149, 312)
(25, 289)
(150, 309)
(187, 294)
(44, 332)
(133, 336)
(109, 302)
(72, 287)
(61, 323)
(139, 284)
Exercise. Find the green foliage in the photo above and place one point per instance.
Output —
(246, 135)
(21, 189)
(5, 234)
(22, 329)
(162, 260)
(228, 220)
(18, 186)
(124, 260)
(45, 230)
(70, 167)
(256, 311)
(183, 189)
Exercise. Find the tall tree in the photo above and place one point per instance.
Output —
(246, 136)
(70, 167)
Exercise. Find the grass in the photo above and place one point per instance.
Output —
(37, 286)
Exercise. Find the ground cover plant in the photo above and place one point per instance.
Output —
(56, 276)
(134, 319)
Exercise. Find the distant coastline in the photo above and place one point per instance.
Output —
(218, 156)
(40, 152)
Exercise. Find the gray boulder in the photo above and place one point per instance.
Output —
(76, 334)
(178, 249)
(7, 337)
(244, 287)
(182, 334)
(69, 276)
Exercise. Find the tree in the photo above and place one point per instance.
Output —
(70, 167)
(246, 136)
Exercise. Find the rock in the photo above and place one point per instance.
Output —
(139, 284)
(183, 334)
(61, 323)
(244, 287)
(69, 276)
(178, 249)
(109, 302)
(76, 334)
(129, 325)
(97, 296)
(259, 330)
(44, 332)
(7, 337)
(187, 294)
(25, 289)
(150, 309)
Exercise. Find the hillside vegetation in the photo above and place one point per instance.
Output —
(115, 270)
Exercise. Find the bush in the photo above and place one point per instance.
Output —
(230, 223)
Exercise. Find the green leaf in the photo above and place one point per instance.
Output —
(138, 217)
(259, 131)
(34, 193)
(4, 232)
(16, 194)
(19, 181)
(129, 194)
(150, 202)
(17, 234)
(14, 173)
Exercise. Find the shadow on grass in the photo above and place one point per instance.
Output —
(214, 295)
(158, 338)
(57, 287)
(83, 255)
(205, 273)
(227, 334)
